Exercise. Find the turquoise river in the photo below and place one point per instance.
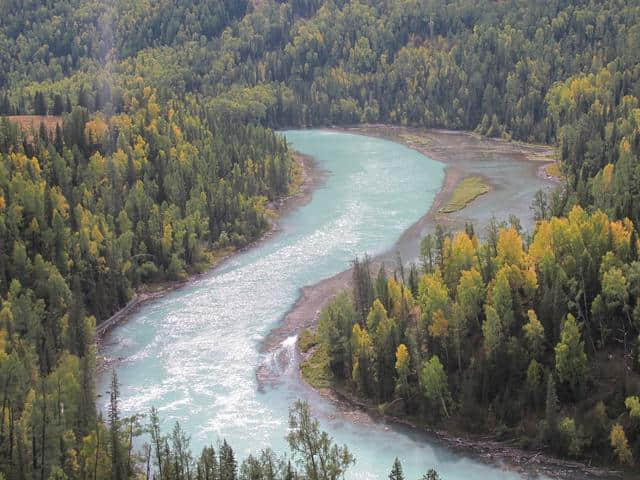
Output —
(194, 353)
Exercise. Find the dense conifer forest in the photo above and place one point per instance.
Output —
(158, 150)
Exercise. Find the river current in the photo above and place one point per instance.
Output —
(194, 353)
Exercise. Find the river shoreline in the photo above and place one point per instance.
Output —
(440, 145)
(312, 177)
(482, 448)
(305, 312)
(312, 299)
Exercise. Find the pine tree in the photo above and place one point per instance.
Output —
(77, 336)
(431, 475)
(58, 105)
(363, 291)
(440, 235)
(42, 133)
(382, 288)
(97, 102)
(207, 468)
(58, 140)
(157, 440)
(5, 105)
(117, 464)
(39, 104)
(396, 471)
(414, 279)
(227, 462)
(83, 98)
(551, 404)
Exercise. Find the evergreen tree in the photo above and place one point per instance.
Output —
(382, 288)
(157, 440)
(396, 471)
(39, 104)
(58, 105)
(363, 291)
(551, 402)
(227, 462)
(431, 475)
(117, 463)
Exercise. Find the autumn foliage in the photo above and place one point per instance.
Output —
(494, 327)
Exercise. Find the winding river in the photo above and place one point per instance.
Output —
(194, 353)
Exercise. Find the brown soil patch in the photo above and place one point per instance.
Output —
(31, 123)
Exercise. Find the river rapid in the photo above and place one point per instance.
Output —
(194, 353)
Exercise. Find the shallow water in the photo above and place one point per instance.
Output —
(194, 353)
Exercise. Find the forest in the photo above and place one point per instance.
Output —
(162, 153)
(92, 210)
(535, 338)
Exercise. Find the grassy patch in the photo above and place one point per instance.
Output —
(415, 139)
(466, 192)
(307, 340)
(315, 369)
(215, 256)
(553, 170)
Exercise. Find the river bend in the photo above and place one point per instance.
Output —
(194, 353)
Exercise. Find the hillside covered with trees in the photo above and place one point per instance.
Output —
(163, 153)
(88, 214)
(560, 72)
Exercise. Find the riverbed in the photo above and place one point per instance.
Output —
(194, 353)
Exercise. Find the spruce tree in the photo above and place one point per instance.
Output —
(39, 104)
(58, 105)
(396, 471)
(382, 288)
(157, 440)
(117, 464)
(551, 405)
(363, 291)
(227, 463)
(207, 464)
(431, 475)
